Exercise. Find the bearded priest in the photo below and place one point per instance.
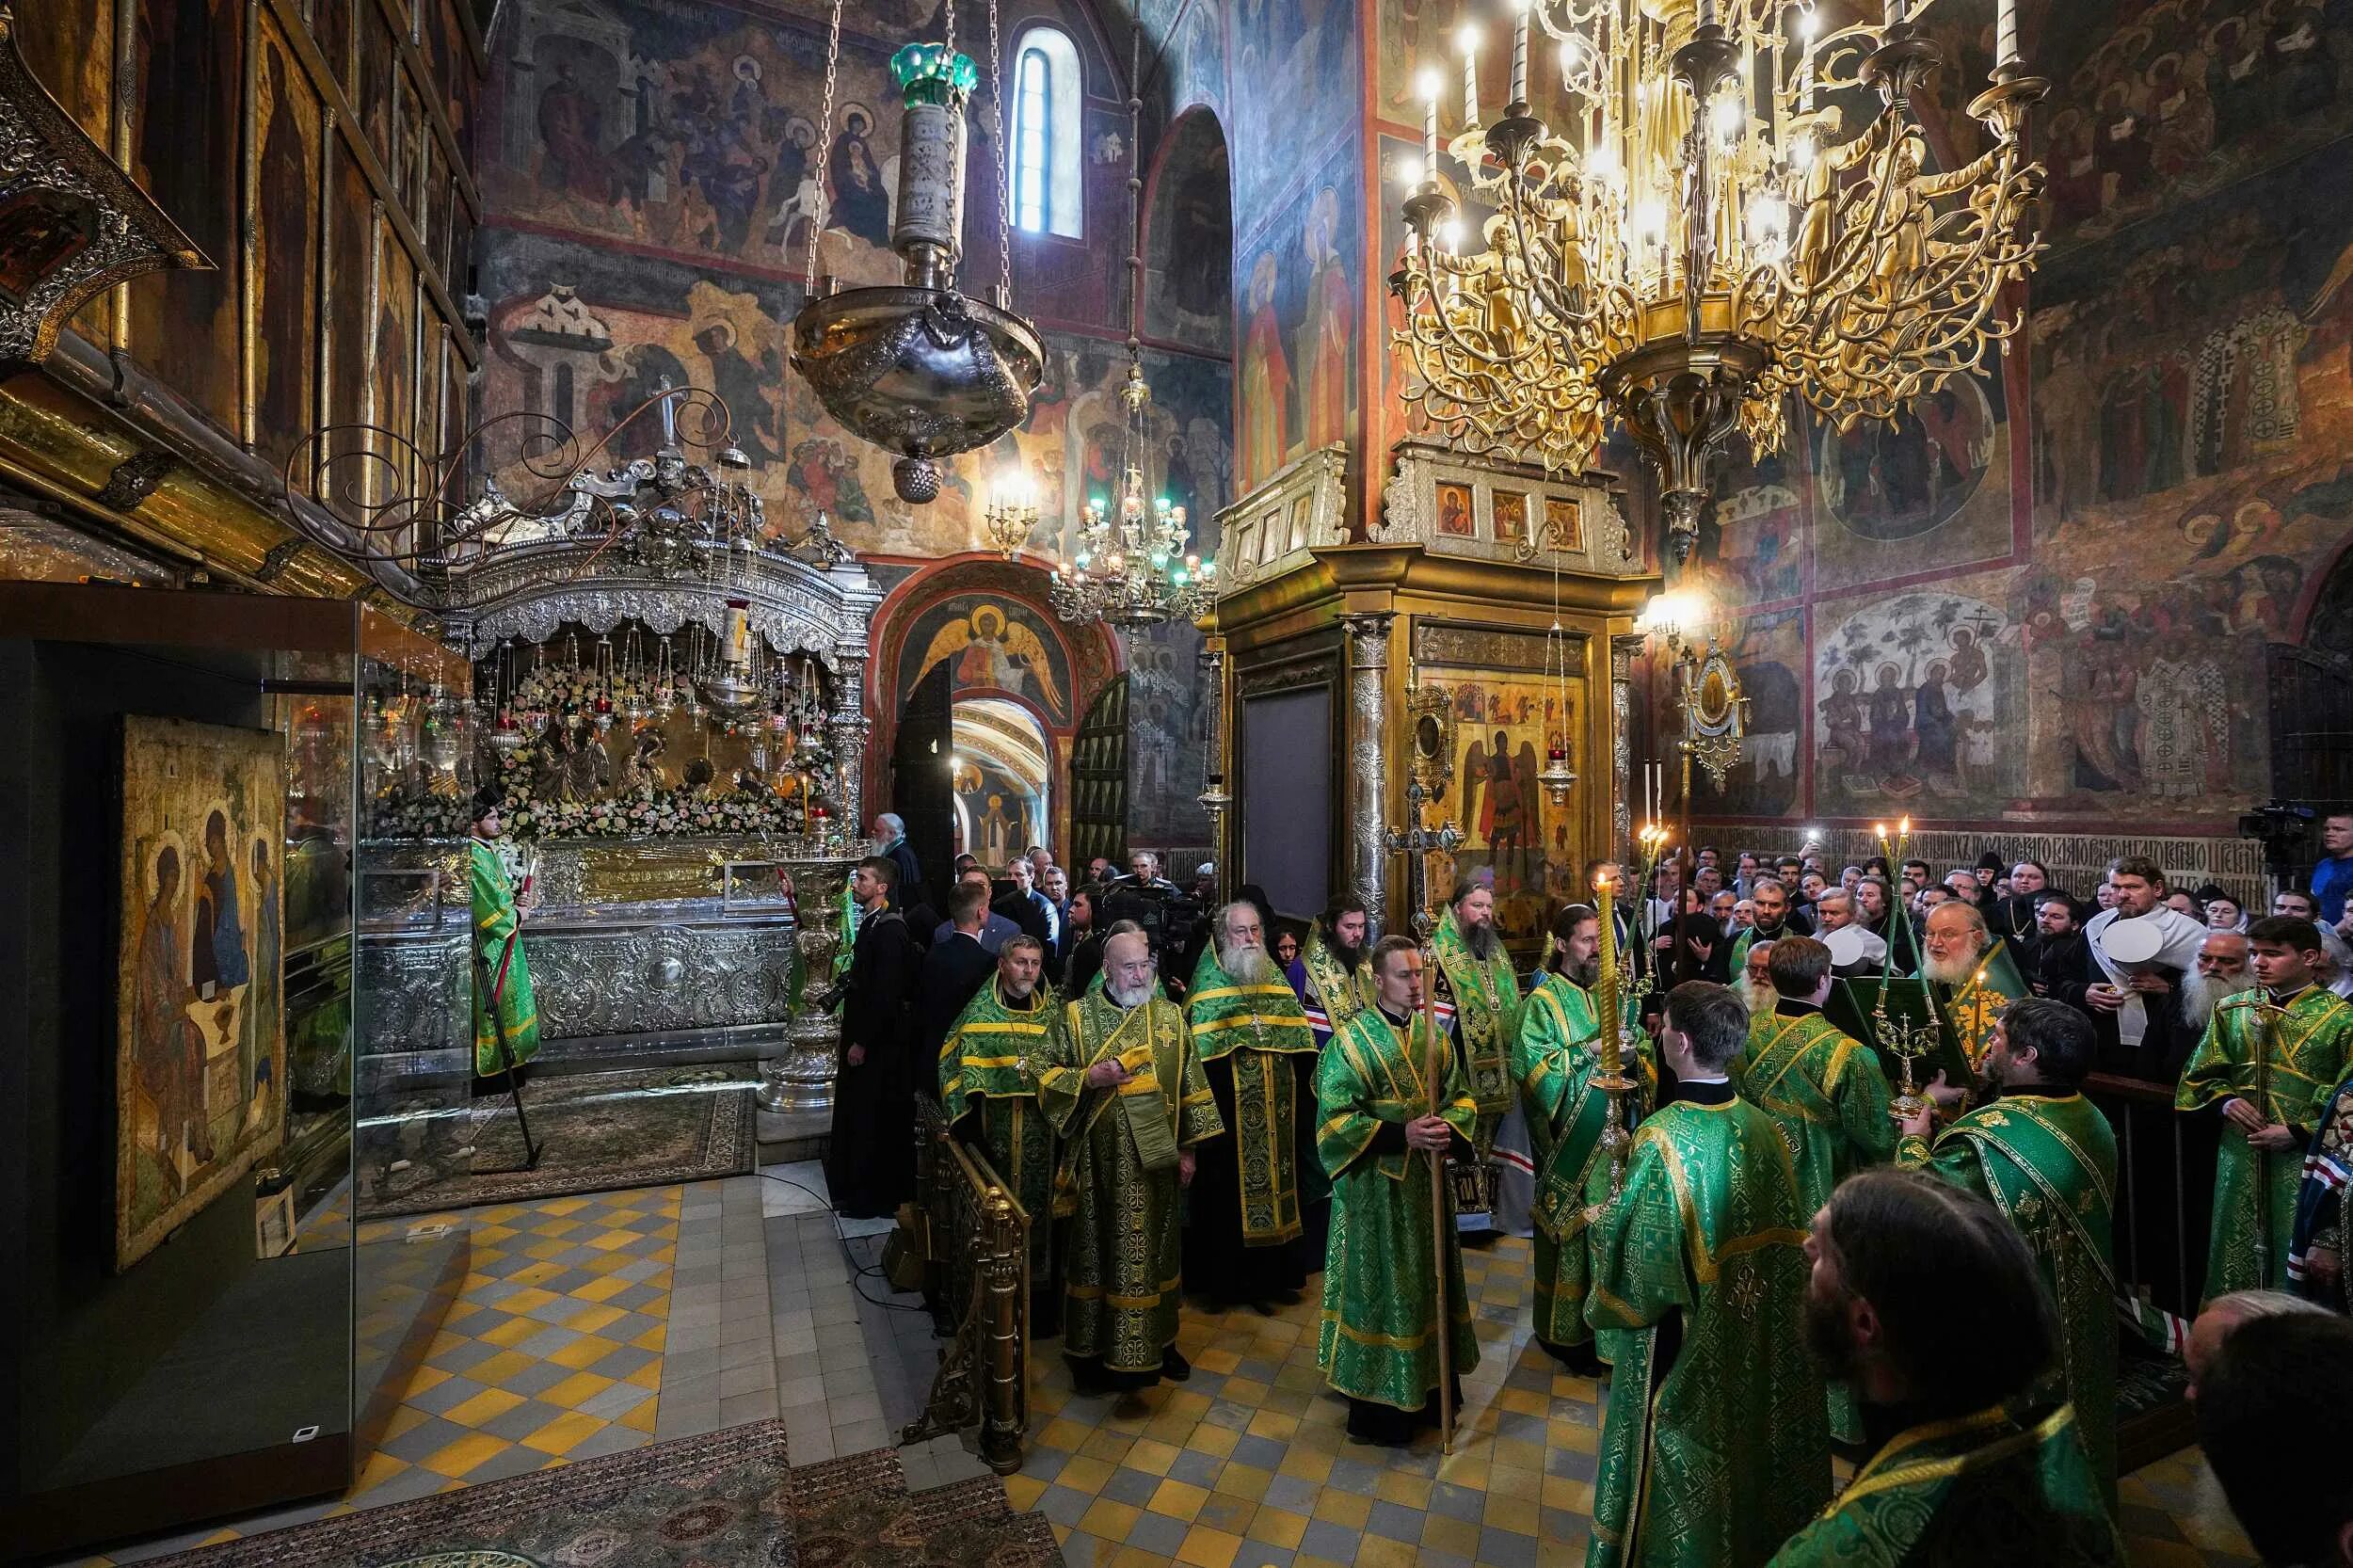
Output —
(1245, 1230)
(988, 1071)
(1124, 1091)
(1553, 1064)
(1716, 1444)
(1379, 1343)
(2047, 1158)
(1339, 983)
(1479, 996)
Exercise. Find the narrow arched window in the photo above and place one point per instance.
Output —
(1046, 150)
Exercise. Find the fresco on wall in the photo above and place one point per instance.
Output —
(589, 335)
(1197, 67)
(1768, 653)
(996, 814)
(991, 646)
(1297, 61)
(1297, 340)
(1189, 240)
(1504, 724)
(1911, 694)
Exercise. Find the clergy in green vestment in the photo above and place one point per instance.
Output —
(2046, 1158)
(502, 1003)
(988, 1071)
(1715, 1442)
(1378, 1344)
(2266, 1064)
(1245, 1225)
(1480, 994)
(1125, 1093)
(1553, 1062)
(1340, 981)
(1824, 1090)
(1930, 1305)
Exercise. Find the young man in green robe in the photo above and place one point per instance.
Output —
(2267, 1062)
(1478, 997)
(502, 972)
(1716, 1444)
(1824, 1090)
(1926, 1301)
(1340, 981)
(1245, 1224)
(1377, 1137)
(1554, 1063)
(1125, 1093)
(988, 1074)
(2046, 1158)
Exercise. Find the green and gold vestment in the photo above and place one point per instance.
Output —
(1257, 1030)
(1553, 1062)
(2283, 1061)
(1485, 1000)
(500, 966)
(1829, 1095)
(1982, 1490)
(1716, 1445)
(988, 1069)
(1335, 994)
(1117, 1184)
(2048, 1162)
(1379, 1336)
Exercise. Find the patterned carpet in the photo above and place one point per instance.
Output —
(597, 1132)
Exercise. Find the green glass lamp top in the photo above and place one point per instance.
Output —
(932, 73)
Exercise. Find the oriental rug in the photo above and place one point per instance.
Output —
(597, 1132)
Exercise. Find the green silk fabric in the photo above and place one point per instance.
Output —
(498, 948)
(2298, 1054)
(1553, 1062)
(1118, 1180)
(1256, 1025)
(988, 1067)
(1982, 1490)
(2048, 1162)
(1486, 998)
(1716, 1444)
(1342, 993)
(1377, 1339)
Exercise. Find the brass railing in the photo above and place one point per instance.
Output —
(974, 1241)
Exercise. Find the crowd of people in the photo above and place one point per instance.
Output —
(1205, 1099)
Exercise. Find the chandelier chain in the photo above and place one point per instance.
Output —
(1004, 184)
(824, 148)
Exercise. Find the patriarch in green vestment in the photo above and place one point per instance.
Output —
(2266, 1064)
(1554, 1061)
(1715, 1442)
(1378, 1344)
(988, 1071)
(2046, 1158)
(1123, 1088)
(1824, 1090)
(1929, 1304)
(1245, 1228)
(502, 972)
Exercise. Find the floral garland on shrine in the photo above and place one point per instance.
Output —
(637, 810)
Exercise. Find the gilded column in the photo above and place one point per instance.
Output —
(1622, 649)
(1367, 776)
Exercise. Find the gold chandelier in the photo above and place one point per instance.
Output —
(1737, 205)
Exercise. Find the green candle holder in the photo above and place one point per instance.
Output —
(933, 74)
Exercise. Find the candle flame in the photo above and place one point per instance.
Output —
(1904, 828)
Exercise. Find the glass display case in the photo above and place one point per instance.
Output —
(198, 1326)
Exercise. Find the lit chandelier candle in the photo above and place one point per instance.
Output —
(1679, 286)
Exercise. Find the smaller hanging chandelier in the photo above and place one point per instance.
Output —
(1132, 566)
(1556, 775)
(1012, 512)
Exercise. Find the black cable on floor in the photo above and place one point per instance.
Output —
(857, 1270)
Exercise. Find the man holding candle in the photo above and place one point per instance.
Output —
(1380, 1125)
(2046, 1156)
(1824, 1090)
(1716, 1445)
(1554, 1063)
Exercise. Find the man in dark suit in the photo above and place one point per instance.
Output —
(995, 928)
(1025, 906)
(957, 967)
(870, 1160)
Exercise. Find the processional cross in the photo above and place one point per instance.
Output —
(1419, 844)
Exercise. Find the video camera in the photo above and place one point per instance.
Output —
(2284, 829)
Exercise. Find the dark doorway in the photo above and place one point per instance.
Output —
(1099, 779)
(922, 789)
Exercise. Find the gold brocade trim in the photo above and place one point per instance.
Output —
(1126, 1304)
(1219, 993)
(1259, 1020)
(1394, 1341)
(1882, 1475)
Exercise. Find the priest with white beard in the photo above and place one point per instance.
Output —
(2221, 973)
(2133, 1008)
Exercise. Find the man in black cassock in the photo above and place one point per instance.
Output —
(870, 1160)
(954, 970)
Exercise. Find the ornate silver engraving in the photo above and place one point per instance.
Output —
(1367, 778)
